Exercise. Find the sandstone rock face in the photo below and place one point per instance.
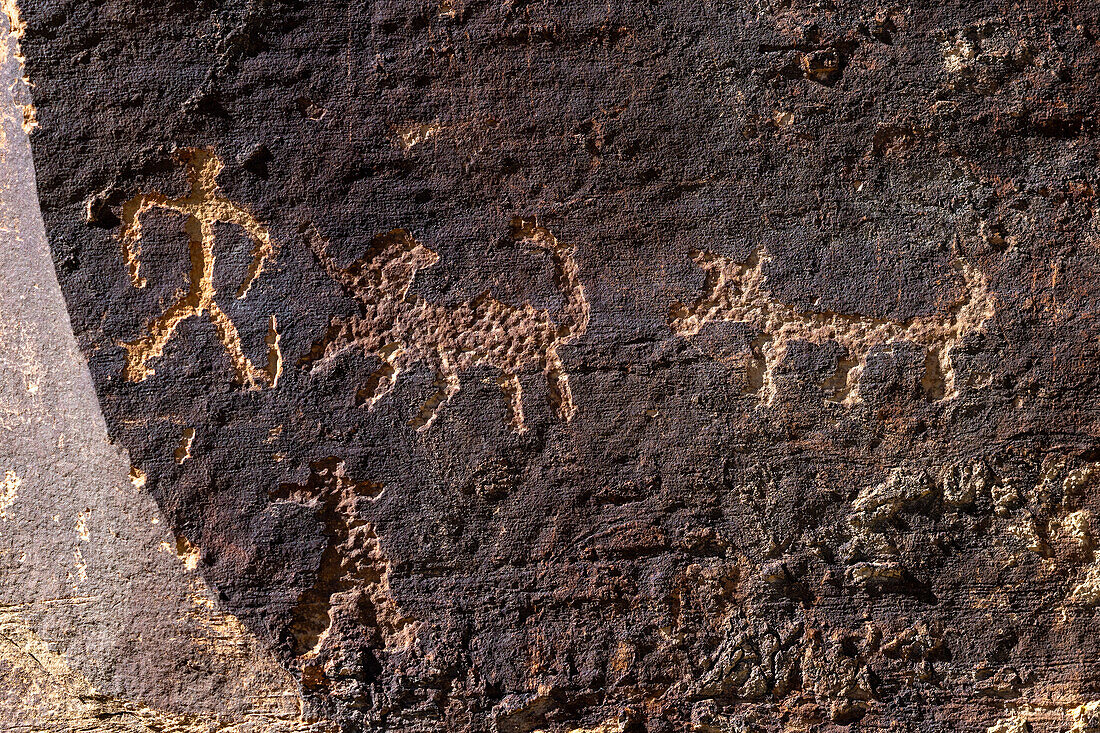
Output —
(105, 622)
(517, 366)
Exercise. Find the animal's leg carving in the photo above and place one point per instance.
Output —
(381, 382)
(509, 383)
(760, 367)
(768, 387)
(842, 388)
(850, 395)
(447, 386)
(561, 396)
(938, 381)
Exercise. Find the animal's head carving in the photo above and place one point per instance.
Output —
(726, 280)
(535, 235)
(386, 269)
(395, 256)
(744, 274)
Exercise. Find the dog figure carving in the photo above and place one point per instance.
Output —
(403, 329)
(736, 292)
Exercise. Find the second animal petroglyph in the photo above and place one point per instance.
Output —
(737, 292)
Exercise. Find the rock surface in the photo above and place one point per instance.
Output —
(602, 367)
(105, 623)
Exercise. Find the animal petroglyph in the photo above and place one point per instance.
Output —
(737, 292)
(403, 329)
(349, 615)
(204, 206)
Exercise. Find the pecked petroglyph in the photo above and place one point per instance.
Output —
(737, 292)
(403, 329)
(204, 206)
(1036, 504)
(350, 607)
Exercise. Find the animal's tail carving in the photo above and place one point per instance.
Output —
(575, 314)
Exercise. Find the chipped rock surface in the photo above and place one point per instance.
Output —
(555, 366)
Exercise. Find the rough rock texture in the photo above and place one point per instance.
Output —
(105, 624)
(517, 366)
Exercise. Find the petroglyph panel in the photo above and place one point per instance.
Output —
(726, 366)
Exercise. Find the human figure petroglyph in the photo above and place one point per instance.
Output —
(402, 329)
(737, 292)
(350, 607)
(204, 206)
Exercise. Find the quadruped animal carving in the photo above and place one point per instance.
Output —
(403, 329)
(737, 292)
(204, 206)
